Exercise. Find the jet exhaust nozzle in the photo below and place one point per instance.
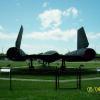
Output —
(15, 54)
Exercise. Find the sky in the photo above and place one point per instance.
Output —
(49, 24)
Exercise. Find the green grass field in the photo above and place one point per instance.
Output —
(29, 90)
(46, 91)
(90, 64)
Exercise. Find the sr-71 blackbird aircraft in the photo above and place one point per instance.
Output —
(83, 53)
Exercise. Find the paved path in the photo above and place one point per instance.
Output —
(45, 80)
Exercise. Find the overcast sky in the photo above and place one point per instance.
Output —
(49, 24)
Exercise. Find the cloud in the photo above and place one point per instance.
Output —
(93, 35)
(37, 48)
(52, 18)
(18, 3)
(54, 34)
(6, 36)
(45, 4)
(17, 19)
(72, 11)
(1, 28)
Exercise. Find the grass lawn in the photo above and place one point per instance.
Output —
(28, 90)
(90, 64)
(46, 91)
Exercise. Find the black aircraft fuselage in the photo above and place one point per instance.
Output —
(16, 54)
(83, 53)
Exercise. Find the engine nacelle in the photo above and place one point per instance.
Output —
(84, 54)
(89, 54)
(16, 54)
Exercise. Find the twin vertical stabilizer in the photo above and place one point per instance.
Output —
(82, 41)
(19, 38)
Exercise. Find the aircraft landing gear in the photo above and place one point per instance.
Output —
(46, 64)
(63, 64)
(31, 64)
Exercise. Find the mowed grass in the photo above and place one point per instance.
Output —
(5, 63)
(28, 90)
(90, 64)
(46, 91)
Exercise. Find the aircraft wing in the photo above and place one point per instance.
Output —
(83, 53)
(46, 58)
(52, 58)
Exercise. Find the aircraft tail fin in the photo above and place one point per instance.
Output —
(19, 38)
(82, 41)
